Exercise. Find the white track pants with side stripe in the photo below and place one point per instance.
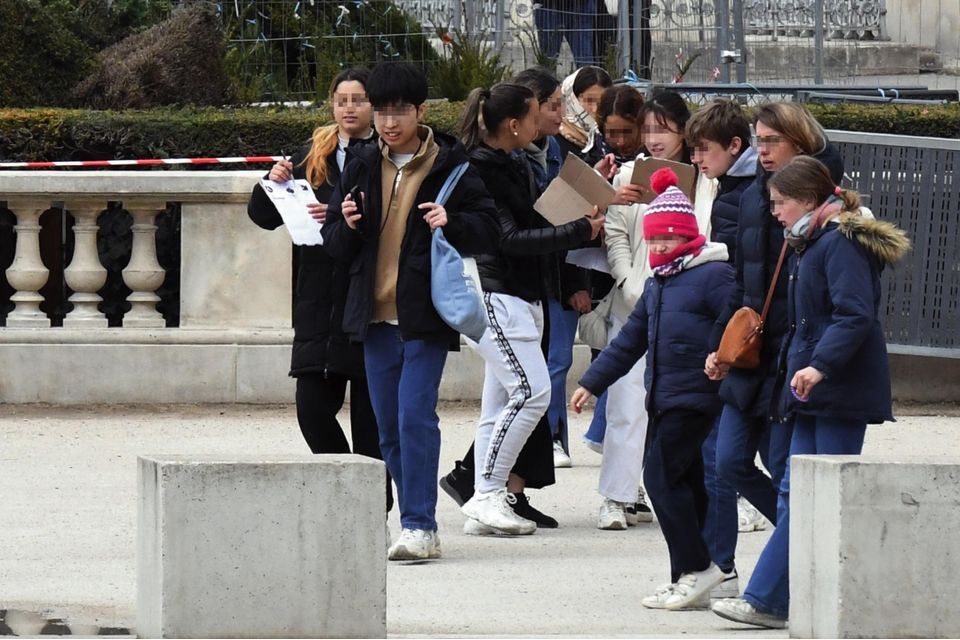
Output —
(516, 387)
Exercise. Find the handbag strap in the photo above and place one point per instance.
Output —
(773, 284)
(451, 182)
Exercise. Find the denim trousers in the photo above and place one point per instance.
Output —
(403, 377)
(769, 587)
(720, 526)
(673, 477)
(572, 20)
(563, 331)
(739, 438)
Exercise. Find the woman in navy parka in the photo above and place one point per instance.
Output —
(835, 357)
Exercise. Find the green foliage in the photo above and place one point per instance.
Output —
(468, 61)
(73, 134)
(287, 50)
(179, 61)
(42, 51)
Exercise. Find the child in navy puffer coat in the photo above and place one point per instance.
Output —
(691, 285)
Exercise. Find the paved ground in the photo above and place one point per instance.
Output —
(68, 488)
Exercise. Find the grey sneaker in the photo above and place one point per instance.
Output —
(612, 516)
(692, 590)
(739, 610)
(491, 508)
(415, 544)
(729, 588)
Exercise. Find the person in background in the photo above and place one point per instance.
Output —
(835, 356)
(680, 303)
(323, 361)
(385, 238)
(516, 279)
(621, 471)
(719, 135)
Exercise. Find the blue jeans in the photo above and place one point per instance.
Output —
(739, 439)
(720, 526)
(598, 424)
(769, 588)
(563, 331)
(404, 381)
(573, 20)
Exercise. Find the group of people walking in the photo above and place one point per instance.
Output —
(678, 428)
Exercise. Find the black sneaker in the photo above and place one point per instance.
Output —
(521, 506)
(458, 484)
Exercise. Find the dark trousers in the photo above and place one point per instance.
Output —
(673, 477)
(319, 399)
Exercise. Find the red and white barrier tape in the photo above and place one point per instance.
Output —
(139, 163)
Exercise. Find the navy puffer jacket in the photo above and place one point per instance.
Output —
(834, 324)
(671, 324)
(759, 239)
(725, 214)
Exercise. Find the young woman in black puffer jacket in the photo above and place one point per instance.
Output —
(515, 281)
(324, 361)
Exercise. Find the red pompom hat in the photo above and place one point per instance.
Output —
(670, 213)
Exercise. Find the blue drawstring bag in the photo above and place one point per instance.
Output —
(454, 281)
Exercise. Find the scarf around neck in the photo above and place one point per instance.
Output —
(672, 263)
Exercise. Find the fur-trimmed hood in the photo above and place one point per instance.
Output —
(883, 239)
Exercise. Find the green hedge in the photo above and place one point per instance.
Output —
(63, 134)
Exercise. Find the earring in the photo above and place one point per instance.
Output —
(515, 133)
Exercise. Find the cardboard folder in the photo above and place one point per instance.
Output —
(574, 193)
(643, 168)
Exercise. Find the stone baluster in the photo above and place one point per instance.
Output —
(143, 274)
(85, 275)
(26, 274)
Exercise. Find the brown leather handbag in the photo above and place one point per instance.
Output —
(743, 336)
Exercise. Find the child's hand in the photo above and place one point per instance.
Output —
(628, 194)
(435, 216)
(349, 211)
(715, 370)
(804, 381)
(282, 171)
(596, 222)
(579, 398)
(607, 167)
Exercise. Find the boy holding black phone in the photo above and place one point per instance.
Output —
(380, 220)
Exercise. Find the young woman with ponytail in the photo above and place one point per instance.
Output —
(837, 377)
(515, 281)
(324, 361)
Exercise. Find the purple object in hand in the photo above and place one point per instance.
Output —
(796, 395)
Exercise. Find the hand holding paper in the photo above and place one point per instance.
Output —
(296, 204)
(575, 193)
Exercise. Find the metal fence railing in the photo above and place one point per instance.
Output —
(915, 183)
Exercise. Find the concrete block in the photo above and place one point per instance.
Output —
(874, 550)
(261, 547)
(232, 273)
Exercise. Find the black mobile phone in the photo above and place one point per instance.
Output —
(357, 197)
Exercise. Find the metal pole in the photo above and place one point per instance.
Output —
(471, 16)
(723, 21)
(498, 27)
(623, 34)
(457, 15)
(741, 38)
(636, 35)
(818, 40)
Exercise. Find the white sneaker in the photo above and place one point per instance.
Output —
(748, 518)
(560, 458)
(692, 590)
(644, 512)
(596, 447)
(415, 544)
(659, 598)
(491, 508)
(472, 527)
(729, 588)
(612, 516)
(739, 610)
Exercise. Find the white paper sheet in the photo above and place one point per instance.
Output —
(291, 199)
(590, 258)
